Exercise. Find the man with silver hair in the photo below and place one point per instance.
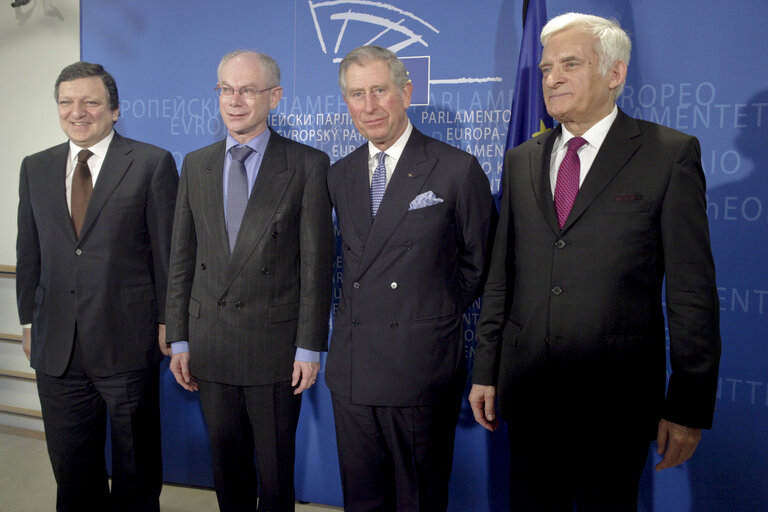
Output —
(597, 216)
(416, 217)
(249, 288)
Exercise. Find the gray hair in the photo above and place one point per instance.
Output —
(268, 64)
(86, 70)
(364, 54)
(611, 41)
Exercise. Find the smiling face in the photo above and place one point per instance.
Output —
(575, 92)
(246, 118)
(84, 112)
(375, 104)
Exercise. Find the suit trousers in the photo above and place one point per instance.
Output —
(396, 458)
(241, 421)
(75, 407)
(555, 467)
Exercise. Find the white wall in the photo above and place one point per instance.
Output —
(36, 42)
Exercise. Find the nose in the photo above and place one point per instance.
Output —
(552, 78)
(370, 103)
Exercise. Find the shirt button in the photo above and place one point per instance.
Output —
(557, 290)
(560, 244)
(393, 286)
(78, 251)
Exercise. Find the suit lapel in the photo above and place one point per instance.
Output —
(272, 181)
(56, 188)
(114, 167)
(618, 147)
(212, 187)
(540, 157)
(413, 169)
(358, 192)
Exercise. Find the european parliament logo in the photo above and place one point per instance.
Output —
(342, 25)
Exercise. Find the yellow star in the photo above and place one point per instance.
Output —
(542, 128)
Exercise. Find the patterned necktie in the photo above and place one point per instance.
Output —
(378, 184)
(82, 187)
(237, 192)
(568, 180)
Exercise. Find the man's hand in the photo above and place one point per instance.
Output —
(483, 402)
(180, 368)
(676, 442)
(304, 375)
(164, 348)
(26, 341)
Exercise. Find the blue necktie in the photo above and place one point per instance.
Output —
(378, 185)
(237, 192)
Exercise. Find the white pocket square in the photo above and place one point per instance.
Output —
(423, 200)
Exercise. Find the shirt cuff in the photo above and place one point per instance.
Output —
(307, 356)
(179, 347)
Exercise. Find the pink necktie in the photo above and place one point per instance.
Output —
(568, 180)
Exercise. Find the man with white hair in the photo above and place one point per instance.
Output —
(596, 216)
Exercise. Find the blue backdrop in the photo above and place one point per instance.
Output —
(696, 66)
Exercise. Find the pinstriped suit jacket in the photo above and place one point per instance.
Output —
(244, 313)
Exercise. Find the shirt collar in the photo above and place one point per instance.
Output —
(99, 149)
(258, 143)
(595, 135)
(395, 150)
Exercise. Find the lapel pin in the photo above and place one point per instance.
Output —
(410, 174)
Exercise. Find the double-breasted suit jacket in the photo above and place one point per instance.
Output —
(111, 282)
(578, 311)
(245, 312)
(409, 276)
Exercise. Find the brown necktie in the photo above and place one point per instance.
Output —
(82, 186)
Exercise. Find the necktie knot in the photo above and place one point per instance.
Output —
(240, 153)
(84, 155)
(575, 143)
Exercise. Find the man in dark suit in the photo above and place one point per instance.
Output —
(250, 286)
(94, 233)
(572, 330)
(414, 260)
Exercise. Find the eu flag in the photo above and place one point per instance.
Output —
(529, 115)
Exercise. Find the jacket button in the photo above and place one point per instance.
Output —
(356, 285)
(239, 305)
(409, 245)
(393, 325)
(355, 323)
(346, 247)
(560, 244)
(222, 303)
(203, 266)
(265, 271)
(275, 234)
(557, 290)
(78, 251)
(393, 286)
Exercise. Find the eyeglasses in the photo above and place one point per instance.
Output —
(250, 93)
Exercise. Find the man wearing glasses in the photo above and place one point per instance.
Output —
(249, 286)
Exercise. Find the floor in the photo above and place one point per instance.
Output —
(27, 484)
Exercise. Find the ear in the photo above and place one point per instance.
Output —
(274, 96)
(618, 74)
(115, 115)
(406, 94)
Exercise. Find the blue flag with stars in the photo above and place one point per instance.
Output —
(529, 115)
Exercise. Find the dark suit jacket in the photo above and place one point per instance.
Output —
(579, 310)
(409, 276)
(111, 282)
(244, 314)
